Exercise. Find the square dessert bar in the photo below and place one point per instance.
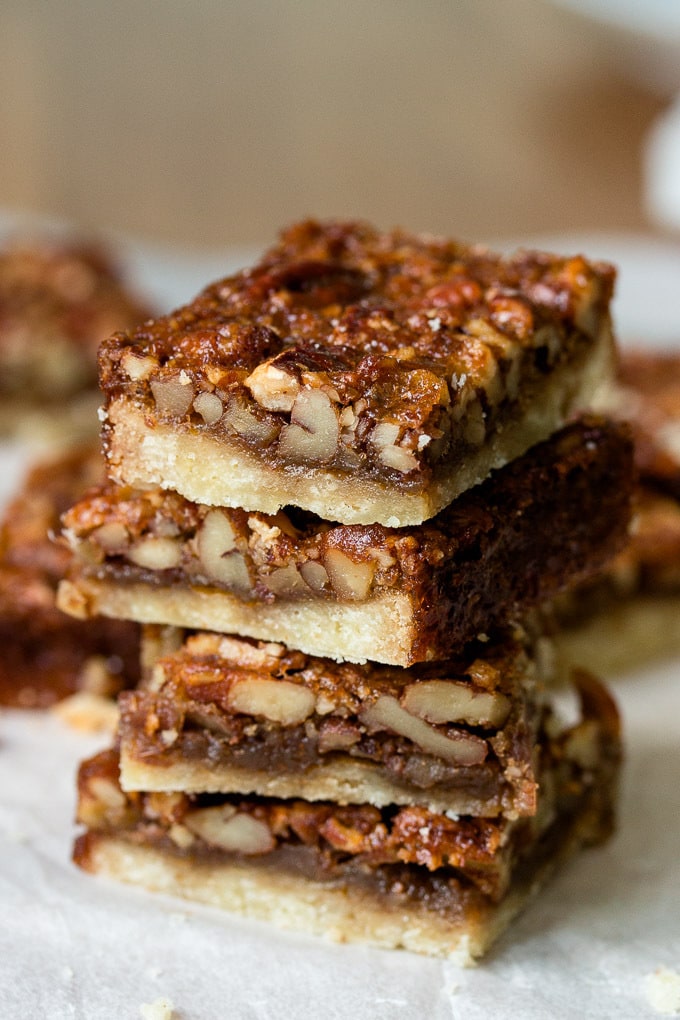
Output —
(627, 615)
(395, 876)
(359, 592)
(58, 300)
(225, 714)
(646, 394)
(363, 376)
(46, 654)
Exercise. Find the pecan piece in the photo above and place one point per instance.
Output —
(313, 434)
(228, 829)
(387, 713)
(280, 701)
(447, 701)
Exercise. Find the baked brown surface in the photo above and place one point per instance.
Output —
(228, 714)
(58, 300)
(398, 877)
(552, 517)
(46, 654)
(363, 376)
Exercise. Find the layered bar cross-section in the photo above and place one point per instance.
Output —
(358, 592)
(396, 876)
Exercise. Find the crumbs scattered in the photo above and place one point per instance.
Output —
(663, 991)
(90, 713)
(159, 1009)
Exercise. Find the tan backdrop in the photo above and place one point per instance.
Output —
(210, 122)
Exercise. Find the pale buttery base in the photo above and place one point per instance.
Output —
(344, 781)
(381, 629)
(216, 472)
(337, 909)
(626, 636)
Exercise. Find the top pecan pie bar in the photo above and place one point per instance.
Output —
(364, 376)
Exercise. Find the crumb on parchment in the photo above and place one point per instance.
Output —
(663, 991)
(159, 1009)
(87, 712)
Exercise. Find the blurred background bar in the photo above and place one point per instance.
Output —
(215, 122)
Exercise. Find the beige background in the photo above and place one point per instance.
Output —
(213, 122)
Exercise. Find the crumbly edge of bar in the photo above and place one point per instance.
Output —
(32, 515)
(380, 629)
(144, 453)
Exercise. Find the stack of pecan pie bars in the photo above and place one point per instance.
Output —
(342, 484)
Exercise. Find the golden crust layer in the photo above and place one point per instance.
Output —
(337, 911)
(343, 631)
(363, 376)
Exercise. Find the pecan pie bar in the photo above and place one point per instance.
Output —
(226, 714)
(46, 654)
(58, 300)
(394, 876)
(628, 614)
(647, 394)
(359, 592)
(363, 376)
